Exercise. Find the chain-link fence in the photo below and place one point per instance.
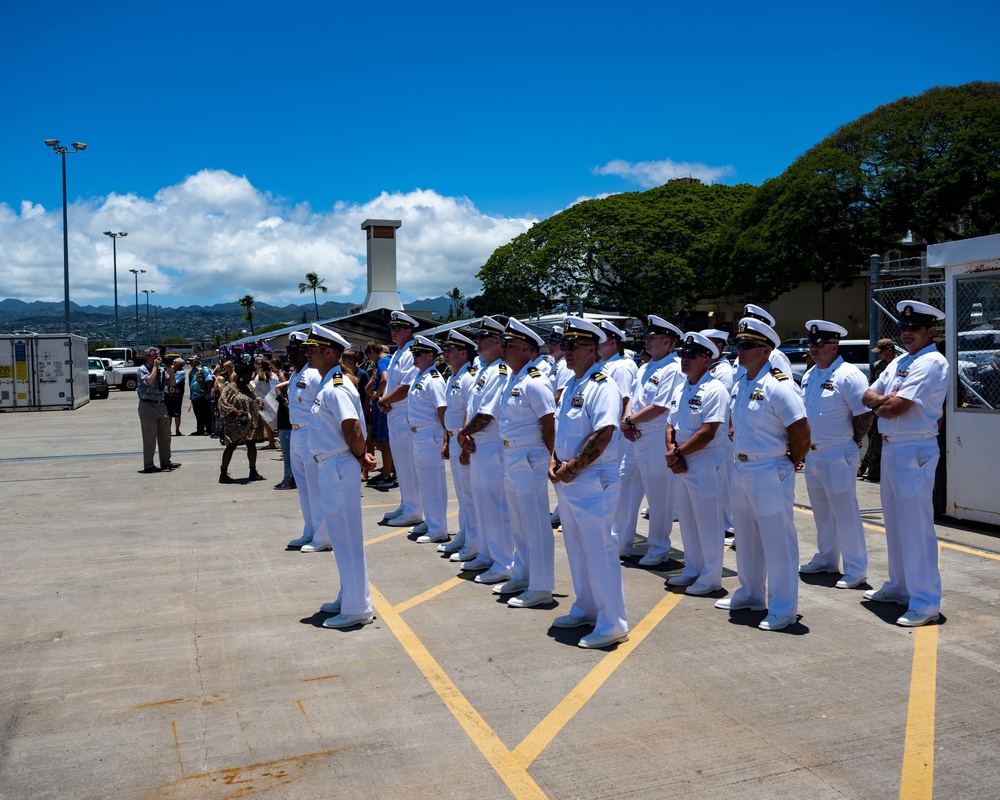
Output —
(977, 332)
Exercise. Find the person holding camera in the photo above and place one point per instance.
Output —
(153, 381)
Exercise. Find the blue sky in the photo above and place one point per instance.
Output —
(242, 144)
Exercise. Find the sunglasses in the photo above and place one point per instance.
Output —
(399, 327)
(748, 345)
(911, 326)
(693, 354)
(818, 345)
(572, 344)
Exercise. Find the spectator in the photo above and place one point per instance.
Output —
(173, 396)
(199, 381)
(239, 411)
(378, 354)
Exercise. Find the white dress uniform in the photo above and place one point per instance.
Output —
(401, 371)
(492, 518)
(459, 390)
(909, 458)
(644, 466)
(340, 479)
(303, 387)
(833, 398)
(526, 399)
(544, 365)
(560, 375)
(426, 396)
(764, 490)
(698, 490)
(722, 370)
(587, 503)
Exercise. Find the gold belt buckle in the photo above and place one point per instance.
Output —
(885, 437)
(316, 458)
(743, 457)
(295, 427)
(413, 430)
(812, 447)
(506, 443)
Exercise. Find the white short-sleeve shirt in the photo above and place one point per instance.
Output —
(336, 402)
(693, 405)
(427, 395)
(762, 410)
(832, 398)
(922, 378)
(588, 404)
(527, 398)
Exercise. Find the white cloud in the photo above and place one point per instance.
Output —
(214, 237)
(656, 173)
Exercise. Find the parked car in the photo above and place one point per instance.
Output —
(98, 378)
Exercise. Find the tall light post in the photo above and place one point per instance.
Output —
(137, 272)
(62, 151)
(114, 251)
(149, 330)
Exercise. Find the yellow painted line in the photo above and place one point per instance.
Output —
(177, 746)
(386, 536)
(917, 781)
(546, 730)
(406, 605)
(520, 783)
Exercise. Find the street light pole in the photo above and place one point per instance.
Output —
(62, 150)
(114, 251)
(149, 331)
(137, 272)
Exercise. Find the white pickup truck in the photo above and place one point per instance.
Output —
(124, 372)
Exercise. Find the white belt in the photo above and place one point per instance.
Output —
(895, 438)
(319, 458)
(745, 457)
(828, 445)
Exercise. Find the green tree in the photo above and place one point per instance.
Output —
(246, 302)
(313, 282)
(639, 252)
(916, 171)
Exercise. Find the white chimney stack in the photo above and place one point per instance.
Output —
(382, 265)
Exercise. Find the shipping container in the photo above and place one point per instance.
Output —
(40, 371)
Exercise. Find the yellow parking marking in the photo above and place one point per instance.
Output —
(385, 536)
(406, 605)
(917, 782)
(520, 783)
(536, 741)
(971, 551)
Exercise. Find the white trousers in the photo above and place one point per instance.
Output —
(586, 506)
(629, 500)
(461, 477)
(698, 503)
(492, 517)
(726, 480)
(768, 546)
(306, 472)
(832, 481)
(658, 483)
(431, 480)
(340, 477)
(907, 489)
(526, 478)
(401, 442)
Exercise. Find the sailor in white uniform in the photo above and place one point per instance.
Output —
(722, 370)
(337, 446)
(771, 438)
(527, 428)
(697, 424)
(584, 469)
(908, 399)
(838, 422)
(425, 410)
(399, 375)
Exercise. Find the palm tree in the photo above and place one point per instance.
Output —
(313, 282)
(247, 303)
(456, 297)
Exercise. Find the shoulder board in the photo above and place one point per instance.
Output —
(504, 369)
(473, 370)
(598, 376)
(777, 373)
(534, 373)
(338, 380)
(434, 373)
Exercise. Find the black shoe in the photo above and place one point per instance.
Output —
(196, 433)
(256, 476)
(150, 470)
(224, 478)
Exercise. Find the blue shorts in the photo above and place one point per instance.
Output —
(380, 426)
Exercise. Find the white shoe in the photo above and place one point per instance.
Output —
(851, 581)
(316, 547)
(652, 561)
(330, 608)
(681, 580)
(403, 522)
(644, 513)
(571, 621)
(421, 528)
(699, 589)
(727, 604)
(593, 641)
(450, 547)
(772, 622)
(464, 555)
(914, 619)
(492, 575)
(392, 514)
(729, 541)
(349, 620)
(476, 564)
(814, 567)
(302, 540)
(882, 596)
(510, 587)
(530, 599)
(429, 538)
